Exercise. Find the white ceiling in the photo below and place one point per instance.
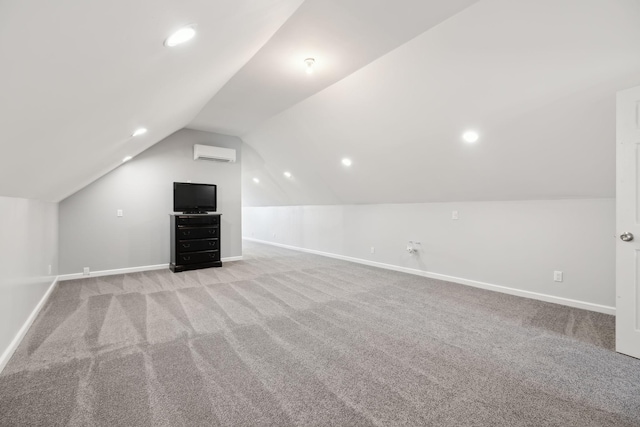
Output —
(537, 79)
(78, 77)
(396, 83)
(341, 35)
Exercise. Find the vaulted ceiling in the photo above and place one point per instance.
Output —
(341, 35)
(536, 79)
(395, 85)
(78, 77)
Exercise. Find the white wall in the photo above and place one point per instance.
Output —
(28, 246)
(516, 244)
(91, 235)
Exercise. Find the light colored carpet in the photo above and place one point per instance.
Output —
(285, 338)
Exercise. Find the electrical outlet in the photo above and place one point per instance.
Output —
(557, 276)
(411, 247)
(49, 269)
(454, 215)
(274, 234)
(373, 250)
(119, 212)
(85, 271)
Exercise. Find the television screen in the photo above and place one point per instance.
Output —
(189, 197)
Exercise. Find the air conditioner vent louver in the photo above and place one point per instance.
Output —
(208, 152)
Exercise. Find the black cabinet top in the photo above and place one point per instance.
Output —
(207, 214)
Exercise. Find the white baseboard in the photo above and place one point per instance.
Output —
(476, 284)
(75, 276)
(8, 352)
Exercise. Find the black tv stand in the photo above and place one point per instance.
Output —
(195, 213)
(195, 241)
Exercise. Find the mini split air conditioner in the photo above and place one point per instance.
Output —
(208, 152)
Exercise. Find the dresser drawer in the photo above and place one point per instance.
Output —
(198, 220)
(198, 245)
(198, 257)
(187, 233)
(195, 241)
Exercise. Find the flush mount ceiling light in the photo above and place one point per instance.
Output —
(126, 159)
(470, 136)
(139, 131)
(346, 161)
(256, 180)
(309, 62)
(287, 174)
(183, 35)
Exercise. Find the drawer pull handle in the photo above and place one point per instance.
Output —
(211, 244)
(187, 258)
(186, 233)
(186, 245)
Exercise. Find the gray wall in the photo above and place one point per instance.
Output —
(512, 244)
(28, 246)
(91, 235)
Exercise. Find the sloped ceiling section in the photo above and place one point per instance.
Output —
(79, 77)
(341, 35)
(536, 79)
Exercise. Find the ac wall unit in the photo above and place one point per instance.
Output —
(208, 152)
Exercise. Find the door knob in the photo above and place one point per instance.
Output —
(626, 236)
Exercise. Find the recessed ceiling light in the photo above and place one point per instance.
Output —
(181, 36)
(256, 180)
(470, 136)
(310, 62)
(139, 131)
(346, 161)
(287, 174)
(126, 159)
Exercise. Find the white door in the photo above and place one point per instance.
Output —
(628, 222)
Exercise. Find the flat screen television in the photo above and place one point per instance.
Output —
(194, 198)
